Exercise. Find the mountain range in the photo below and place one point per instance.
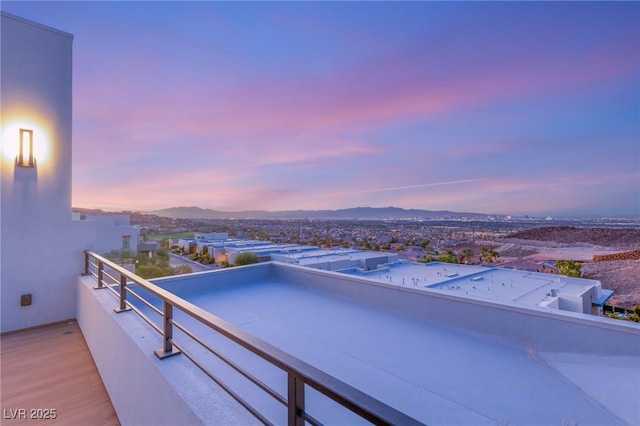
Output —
(366, 213)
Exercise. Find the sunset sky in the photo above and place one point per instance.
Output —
(508, 108)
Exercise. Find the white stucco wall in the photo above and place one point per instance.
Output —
(200, 236)
(110, 230)
(41, 247)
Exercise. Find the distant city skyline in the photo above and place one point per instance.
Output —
(498, 108)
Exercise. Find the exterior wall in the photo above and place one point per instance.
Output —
(333, 262)
(279, 257)
(210, 247)
(578, 302)
(200, 236)
(110, 230)
(327, 263)
(188, 245)
(571, 303)
(372, 263)
(35, 219)
(149, 247)
(219, 254)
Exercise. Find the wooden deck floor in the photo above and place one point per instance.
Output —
(51, 368)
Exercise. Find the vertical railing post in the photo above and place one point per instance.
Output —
(295, 400)
(100, 275)
(167, 333)
(123, 295)
(86, 263)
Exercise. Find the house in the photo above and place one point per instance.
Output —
(114, 233)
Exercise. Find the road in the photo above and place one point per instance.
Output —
(175, 260)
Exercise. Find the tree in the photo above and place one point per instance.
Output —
(448, 258)
(165, 243)
(466, 255)
(568, 268)
(163, 253)
(246, 258)
(488, 256)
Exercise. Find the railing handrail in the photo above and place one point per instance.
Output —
(346, 395)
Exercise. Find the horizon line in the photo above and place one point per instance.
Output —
(531, 215)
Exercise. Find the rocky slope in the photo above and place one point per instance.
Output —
(614, 238)
(619, 271)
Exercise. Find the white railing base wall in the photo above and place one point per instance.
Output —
(143, 389)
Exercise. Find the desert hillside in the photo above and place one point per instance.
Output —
(608, 255)
(613, 238)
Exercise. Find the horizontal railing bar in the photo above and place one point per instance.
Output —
(309, 419)
(115, 281)
(145, 318)
(355, 400)
(275, 395)
(109, 287)
(141, 299)
(220, 383)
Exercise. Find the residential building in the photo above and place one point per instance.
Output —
(510, 286)
(147, 248)
(114, 232)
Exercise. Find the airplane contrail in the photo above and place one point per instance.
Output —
(394, 188)
(422, 185)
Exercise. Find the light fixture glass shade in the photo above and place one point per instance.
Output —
(25, 153)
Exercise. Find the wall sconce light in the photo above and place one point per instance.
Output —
(25, 159)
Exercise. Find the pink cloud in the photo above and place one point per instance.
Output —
(256, 120)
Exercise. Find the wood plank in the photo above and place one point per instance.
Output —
(52, 368)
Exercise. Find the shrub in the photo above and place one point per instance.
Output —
(568, 268)
(448, 258)
(150, 271)
(246, 258)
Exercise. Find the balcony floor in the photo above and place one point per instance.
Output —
(51, 368)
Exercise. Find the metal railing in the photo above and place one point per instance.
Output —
(299, 373)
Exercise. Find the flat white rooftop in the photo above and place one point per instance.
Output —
(317, 252)
(333, 255)
(417, 275)
(504, 285)
(436, 357)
